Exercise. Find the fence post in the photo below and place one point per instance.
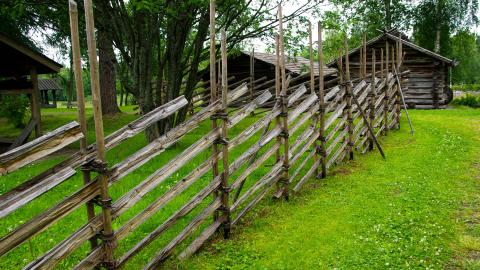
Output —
(283, 188)
(387, 99)
(321, 98)
(224, 140)
(107, 236)
(373, 96)
(393, 65)
(77, 68)
(315, 119)
(252, 72)
(213, 94)
(349, 97)
(398, 96)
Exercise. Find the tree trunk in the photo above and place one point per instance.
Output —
(388, 14)
(193, 72)
(438, 27)
(106, 65)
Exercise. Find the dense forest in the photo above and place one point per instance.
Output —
(155, 50)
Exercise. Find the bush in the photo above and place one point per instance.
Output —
(14, 108)
(468, 100)
(466, 87)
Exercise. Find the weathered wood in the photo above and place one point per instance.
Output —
(239, 182)
(145, 121)
(265, 180)
(254, 201)
(23, 137)
(335, 115)
(40, 147)
(307, 176)
(190, 228)
(198, 242)
(48, 217)
(17, 200)
(184, 210)
(335, 156)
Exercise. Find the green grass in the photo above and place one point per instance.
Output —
(417, 207)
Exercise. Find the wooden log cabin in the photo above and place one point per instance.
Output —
(19, 69)
(258, 71)
(426, 86)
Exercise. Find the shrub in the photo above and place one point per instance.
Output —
(468, 100)
(466, 87)
(14, 108)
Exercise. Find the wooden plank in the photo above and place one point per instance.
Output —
(337, 127)
(145, 121)
(307, 176)
(20, 198)
(23, 137)
(335, 115)
(40, 147)
(198, 242)
(335, 156)
(47, 218)
(183, 211)
(265, 180)
(302, 164)
(191, 227)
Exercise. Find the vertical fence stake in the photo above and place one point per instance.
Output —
(373, 96)
(398, 96)
(225, 175)
(213, 92)
(349, 100)
(321, 98)
(108, 238)
(392, 59)
(77, 69)
(315, 119)
(252, 72)
(387, 99)
(283, 188)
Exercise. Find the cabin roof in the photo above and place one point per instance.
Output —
(296, 65)
(48, 84)
(18, 59)
(393, 35)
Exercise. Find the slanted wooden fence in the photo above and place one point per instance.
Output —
(307, 131)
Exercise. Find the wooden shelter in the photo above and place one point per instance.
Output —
(19, 70)
(45, 86)
(426, 86)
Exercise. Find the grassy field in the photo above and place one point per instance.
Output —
(418, 209)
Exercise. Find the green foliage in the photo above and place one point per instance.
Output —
(466, 50)
(468, 100)
(466, 87)
(447, 16)
(14, 108)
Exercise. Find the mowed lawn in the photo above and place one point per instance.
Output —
(419, 209)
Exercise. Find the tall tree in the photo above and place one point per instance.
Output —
(437, 20)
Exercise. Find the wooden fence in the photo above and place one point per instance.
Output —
(313, 129)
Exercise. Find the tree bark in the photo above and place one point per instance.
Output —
(438, 27)
(388, 14)
(106, 65)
